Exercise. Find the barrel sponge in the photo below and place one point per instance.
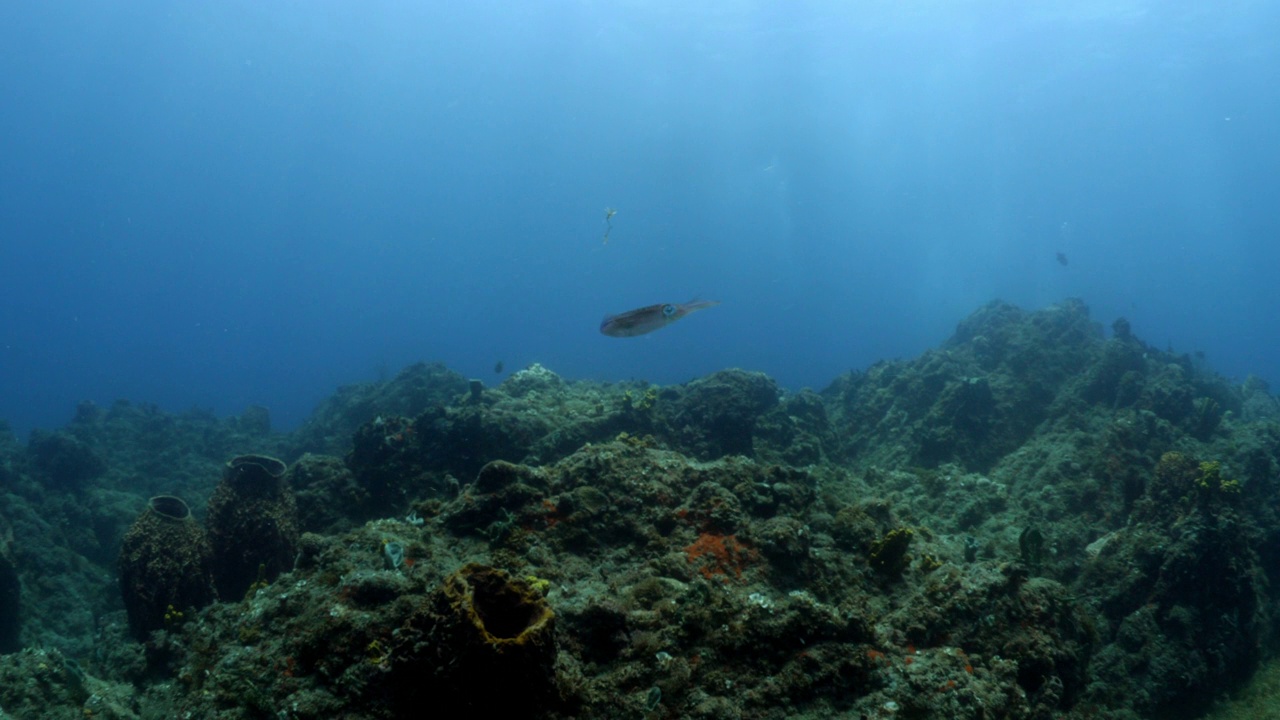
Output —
(487, 643)
(165, 565)
(506, 615)
(9, 601)
(252, 524)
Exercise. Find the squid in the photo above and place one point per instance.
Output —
(647, 319)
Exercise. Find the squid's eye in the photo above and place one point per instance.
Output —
(668, 310)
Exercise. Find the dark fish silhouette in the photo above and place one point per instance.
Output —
(497, 367)
(1062, 259)
(647, 319)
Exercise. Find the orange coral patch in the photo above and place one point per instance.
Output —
(720, 555)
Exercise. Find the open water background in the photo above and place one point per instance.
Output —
(220, 204)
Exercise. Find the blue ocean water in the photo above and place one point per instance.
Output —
(233, 203)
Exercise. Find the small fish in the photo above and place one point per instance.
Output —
(647, 319)
(497, 367)
(1062, 259)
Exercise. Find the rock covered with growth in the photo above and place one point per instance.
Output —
(718, 415)
(975, 399)
(416, 388)
(63, 460)
(1034, 521)
(1183, 589)
(328, 498)
(535, 417)
(635, 581)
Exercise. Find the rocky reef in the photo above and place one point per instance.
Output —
(1039, 519)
